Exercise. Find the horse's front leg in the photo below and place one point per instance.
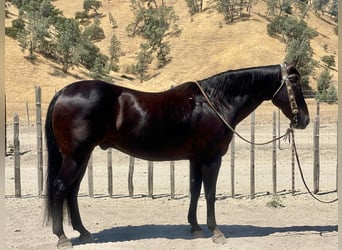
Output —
(209, 175)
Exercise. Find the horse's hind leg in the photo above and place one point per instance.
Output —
(60, 190)
(85, 235)
(209, 174)
(66, 188)
(57, 218)
(195, 189)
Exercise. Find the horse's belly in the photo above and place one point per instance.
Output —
(168, 146)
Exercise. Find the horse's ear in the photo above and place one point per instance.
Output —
(294, 62)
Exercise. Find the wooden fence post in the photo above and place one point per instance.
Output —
(28, 114)
(150, 179)
(337, 140)
(274, 154)
(232, 165)
(252, 165)
(5, 126)
(172, 179)
(130, 176)
(90, 177)
(16, 144)
(316, 167)
(293, 188)
(110, 172)
(39, 139)
(279, 128)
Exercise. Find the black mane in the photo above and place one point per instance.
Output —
(244, 81)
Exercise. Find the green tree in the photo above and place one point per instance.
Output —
(42, 8)
(153, 22)
(233, 9)
(329, 61)
(301, 51)
(94, 31)
(286, 7)
(289, 27)
(88, 53)
(195, 6)
(162, 54)
(297, 36)
(35, 33)
(112, 20)
(319, 5)
(98, 69)
(326, 91)
(34, 24)
(324, 81)
(92, 5)
(48, 10)
(114, 53)
(323, 84)
(333, 9)
(144, 58)
(331, 94)
(272, 7)
(18, 26)
(68, 38)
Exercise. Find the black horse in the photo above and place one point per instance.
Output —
(176, 124)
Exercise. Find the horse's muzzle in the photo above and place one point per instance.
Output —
(300, 123)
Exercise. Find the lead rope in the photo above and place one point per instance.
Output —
(301, 172)
(285, 136)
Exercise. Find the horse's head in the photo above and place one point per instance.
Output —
(289, 97)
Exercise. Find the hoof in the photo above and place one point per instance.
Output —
(86, 238)
(218, 237)
(198, 234)
(64, 242)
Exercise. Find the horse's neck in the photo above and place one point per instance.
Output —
(241, 109)
(235, 105)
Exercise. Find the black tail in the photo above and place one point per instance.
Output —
(54, 157)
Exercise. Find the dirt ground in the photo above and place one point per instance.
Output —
(120, 222)
(143, 223)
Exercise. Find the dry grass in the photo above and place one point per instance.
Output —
(205, 47)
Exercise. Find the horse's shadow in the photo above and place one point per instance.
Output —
(128, 233)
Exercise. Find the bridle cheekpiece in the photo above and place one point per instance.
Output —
(292, 100)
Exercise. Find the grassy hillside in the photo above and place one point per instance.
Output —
(205, 47)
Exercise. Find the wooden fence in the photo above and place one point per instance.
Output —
(150, 173)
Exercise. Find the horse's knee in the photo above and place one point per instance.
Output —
(210, 197)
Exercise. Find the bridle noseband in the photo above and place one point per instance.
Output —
(292, 100)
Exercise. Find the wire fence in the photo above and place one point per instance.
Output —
(172, 178)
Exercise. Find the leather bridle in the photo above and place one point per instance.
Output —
(292, 100)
